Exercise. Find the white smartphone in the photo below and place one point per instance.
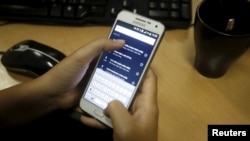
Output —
(117, 74)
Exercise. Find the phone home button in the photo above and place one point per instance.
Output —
(98, 113)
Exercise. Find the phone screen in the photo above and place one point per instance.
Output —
(118, 72)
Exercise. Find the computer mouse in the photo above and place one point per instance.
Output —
(31, 58)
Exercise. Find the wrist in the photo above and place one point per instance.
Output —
(24, 102)
(41, 95)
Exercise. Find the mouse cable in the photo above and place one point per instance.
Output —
(2, 23)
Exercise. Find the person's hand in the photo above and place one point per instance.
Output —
(140, 123)
(59, 88)
(65, 81)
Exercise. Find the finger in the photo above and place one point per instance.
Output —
(149, 87)
(94, 48)
(117, 112)
(92, 122)
(146, 100)
(75, 66)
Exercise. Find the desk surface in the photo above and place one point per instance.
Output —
(188, 101)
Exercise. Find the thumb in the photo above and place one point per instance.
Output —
(75, 66)
(94, 48)
(117, 112)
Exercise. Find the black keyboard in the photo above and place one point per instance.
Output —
(174, 14)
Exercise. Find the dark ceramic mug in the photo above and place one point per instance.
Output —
(221, 35)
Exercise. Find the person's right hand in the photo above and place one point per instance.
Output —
(142, 123)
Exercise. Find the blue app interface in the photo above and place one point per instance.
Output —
(119, 71)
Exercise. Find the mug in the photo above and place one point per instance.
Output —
(221, 35)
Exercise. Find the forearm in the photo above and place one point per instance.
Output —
(24, 102)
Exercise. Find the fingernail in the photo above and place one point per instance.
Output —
(121, 41)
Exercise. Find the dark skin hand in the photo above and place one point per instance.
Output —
(62, 87)
(59, 88)
(141, 122)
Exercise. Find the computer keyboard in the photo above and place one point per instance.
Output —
(174, 14)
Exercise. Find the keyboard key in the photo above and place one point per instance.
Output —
(175, 6)
(153, 5)
(81, 11)
(127, 3)
(97, 11)
(164, 5)
(56, 10)
(156, 13)
(175, 14)
(69, 11)
(185, 11)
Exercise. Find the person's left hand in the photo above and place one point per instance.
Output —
(59, 88)
(64, 83)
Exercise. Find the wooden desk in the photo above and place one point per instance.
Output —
(188, 102)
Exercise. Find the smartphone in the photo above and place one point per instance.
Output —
(118, 73)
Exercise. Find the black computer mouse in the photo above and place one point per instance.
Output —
(31, 58)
